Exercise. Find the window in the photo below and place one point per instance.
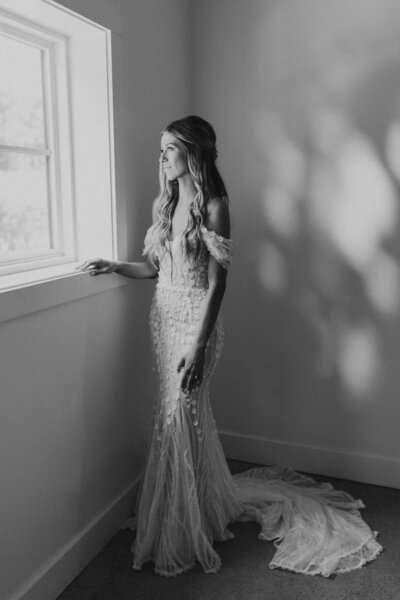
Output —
(36, 211)
(57, 179)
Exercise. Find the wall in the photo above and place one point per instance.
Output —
(76, 379)
(304, 97)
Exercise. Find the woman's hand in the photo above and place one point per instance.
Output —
(98, 266)
(193, 364)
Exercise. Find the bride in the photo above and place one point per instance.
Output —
(188, 495)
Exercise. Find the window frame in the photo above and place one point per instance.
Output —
(94, 184)
(55, 82)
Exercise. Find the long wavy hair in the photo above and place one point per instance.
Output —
(199, 142)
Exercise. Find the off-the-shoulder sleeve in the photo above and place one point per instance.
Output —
(218, 246)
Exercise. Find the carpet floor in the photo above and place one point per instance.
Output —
(245, 574)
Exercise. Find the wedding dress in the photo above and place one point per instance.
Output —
(188, 495)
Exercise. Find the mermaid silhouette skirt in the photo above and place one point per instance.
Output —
(188, 496)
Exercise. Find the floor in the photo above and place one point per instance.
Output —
(245, 574)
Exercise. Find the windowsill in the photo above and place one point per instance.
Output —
(50, 287)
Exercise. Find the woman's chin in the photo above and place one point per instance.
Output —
(171, 177)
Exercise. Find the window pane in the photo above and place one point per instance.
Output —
(21, 94)
(24, 207)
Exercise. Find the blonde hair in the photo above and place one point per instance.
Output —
(199, 142)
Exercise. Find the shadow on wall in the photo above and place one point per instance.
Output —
(308, 116)
(330, 204)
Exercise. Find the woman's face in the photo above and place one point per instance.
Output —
(172, 157)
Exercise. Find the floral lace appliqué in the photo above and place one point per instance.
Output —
(218, 246)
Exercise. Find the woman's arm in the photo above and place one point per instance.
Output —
(134, 270)
(193, 361)
(218, 221)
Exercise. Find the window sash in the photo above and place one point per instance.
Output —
(83, 147)
(54, 54)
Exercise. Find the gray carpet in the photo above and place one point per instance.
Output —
(245, 574)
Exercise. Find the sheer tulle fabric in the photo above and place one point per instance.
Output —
(188, 495)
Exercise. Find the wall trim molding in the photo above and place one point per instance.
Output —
(331, 462)
(61, 569)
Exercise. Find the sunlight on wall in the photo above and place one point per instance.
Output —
(354, 204)
(346, 211)
(330, 138)
(281, 212)
(285, 159)
(359, 361)
(361, 206)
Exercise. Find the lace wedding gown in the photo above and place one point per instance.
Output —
(188, 495)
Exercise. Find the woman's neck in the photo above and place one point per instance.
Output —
(187, 191)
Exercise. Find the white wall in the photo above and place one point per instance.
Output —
(304, 98)
(76, 380)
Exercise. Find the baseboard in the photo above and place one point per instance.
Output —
(68, 562)
(365, 468)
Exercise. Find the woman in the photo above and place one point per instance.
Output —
(188, 495)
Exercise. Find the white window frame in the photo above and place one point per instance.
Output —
(90, 181)
(57, 150)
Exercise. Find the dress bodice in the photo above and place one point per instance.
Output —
(177, 270)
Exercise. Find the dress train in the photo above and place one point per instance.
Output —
(188, 496)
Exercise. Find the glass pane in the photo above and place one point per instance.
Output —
(24, 207)
(21, 94)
